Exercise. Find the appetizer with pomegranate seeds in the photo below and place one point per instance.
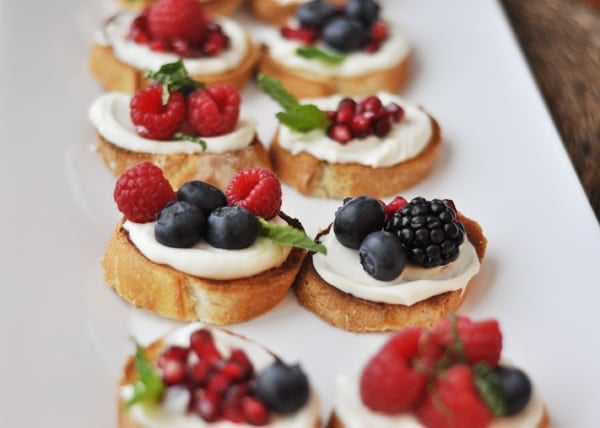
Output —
(217, 7)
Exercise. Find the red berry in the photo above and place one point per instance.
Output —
(138, 31)
(303, 35)
(151, 118)
(173, 371)
(389, 384)
(256, 189)
(142, 192)
(382, 126)
(200, 371)
(361, 125)
(395, 205)
(240, 358)
(255, 411)
(207, 406)
(215, 42)
(340, 132)
(395, 111)
(177, 19)
(232, 371)
(372, 46)
(379, 31)
(159, 45)
(345, 111)
(453, 402)
(214, 110)
(218, 384)
(371, 103)
(204, 346)
(173, 353)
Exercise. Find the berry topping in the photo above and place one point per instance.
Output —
(428, 231)
(179, 225)
(152, 118)
(315, 13)
(453, 402)
(340, 132)
(303, 35)
(203, 195)
(382, 256)
(142, 192)
(356, 219)
(203, 345)
(397, 204)
(177, 20)
(389, 384)
(258, 190)
(516, 388)
(231, 228)
(365, 11)
(283, 388)
(214, 110)
(345, 34)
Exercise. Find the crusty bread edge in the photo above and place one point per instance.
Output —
(115, 75)
(303, 85)
(214, 168)
(177, 295)
(315, 177)
(355, 314)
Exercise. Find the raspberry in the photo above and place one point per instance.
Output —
(177, 19)
(453, 402)
(214, 110)
(481, 341)
(151, 118)
(256, 189)
(389, 384)
(142, 192)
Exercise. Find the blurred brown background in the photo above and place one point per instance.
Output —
(561, 40)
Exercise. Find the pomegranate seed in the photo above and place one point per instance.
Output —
(345, 111)
(199, 372)
(232, 371)
(382, 127)
(177, 353)
(361, 125)
(396, 111)
(379, 31)
(234, 414)
(203, 345)
(159, 45)
(255, 411)
(173, 372)
(181, 47)
(214, 44)
(372, 46)
(303, 35)
(331, 115)
(372, 104)
(141, 38)
(207, 407)
(146, 12)
(396, 205)
(340, 132)
(238, 356)
(218, 384)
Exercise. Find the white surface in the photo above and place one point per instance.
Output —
(64, 335)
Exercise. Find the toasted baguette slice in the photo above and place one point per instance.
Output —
(218, 7)
(214, 168)
(275, 13)
(174, 294)
(355, 314)
(115, 75)
(302, 85)
(315, 177)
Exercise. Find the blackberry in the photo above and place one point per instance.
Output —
(428, 231)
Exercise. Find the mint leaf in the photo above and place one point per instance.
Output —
(149, 385)
(490, 389)
(273, 88)
(289, 235)
(174, 77)
(310, 52)
(191, 138)
(304, 118)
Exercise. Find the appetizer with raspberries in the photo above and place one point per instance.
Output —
(198, 375)
(449, 376)
(391, 265)
(329, 48)
(214, 49)
(199, 253)
(335, 147)
(190, 129)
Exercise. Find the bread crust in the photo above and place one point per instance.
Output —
(315, 177)
(214, 168)
(116, 75)
(218, 7)
(174, 294)
(302, 85)
(355, 314)
(275, 13)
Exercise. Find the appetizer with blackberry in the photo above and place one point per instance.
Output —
(199, 253)
(393, 265)
(336, 147)
(189, 129)
(202, 376)
(213, 49)
(450, 376)
(328, 49)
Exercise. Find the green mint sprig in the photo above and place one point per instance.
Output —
(174, 77)
(289, 235)
(296, 116)
(310, 52)
(191, 138)
(490, 389)
(149, 385)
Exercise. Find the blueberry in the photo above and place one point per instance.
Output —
(179, 225)
(315, 13)
(382, 256)
(516, 386)
(356, 219)
(231, 227)
(345, 34)
(365, 11)
(203, 195)
(283, 388)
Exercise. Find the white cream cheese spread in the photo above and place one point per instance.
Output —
(155, 416)
(341, 268)
(142, 57)
(206, 261)
(110, 115)
(405, 140)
